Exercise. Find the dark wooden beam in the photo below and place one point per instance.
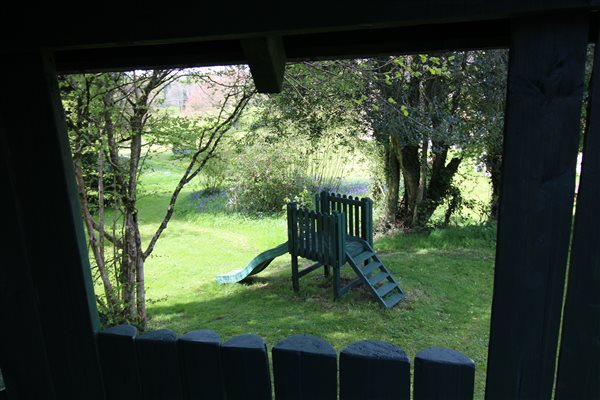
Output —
(579, 364)
(181, 55)
(266, 58)
(23, 358)
(396, 41)
(545, 85)
(53, 27)
(43, 186)
(319, 46)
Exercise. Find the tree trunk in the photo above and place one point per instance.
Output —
(410, 165)
(440, 183)
(494, 163)
(422, 180)
(392, 174)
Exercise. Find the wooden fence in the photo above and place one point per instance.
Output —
(358, 212)
(316, 236)
(161, 365)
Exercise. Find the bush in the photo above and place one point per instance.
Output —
(265, 176)
(268, 174)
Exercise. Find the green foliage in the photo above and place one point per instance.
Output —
(267, 174)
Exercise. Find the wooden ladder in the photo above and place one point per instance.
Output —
(375, 275)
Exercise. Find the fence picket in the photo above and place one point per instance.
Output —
(118, 362)
(201, 365)
(158, 365)
(443, 374)
(305, 368)
(245, 366)
(372, 369)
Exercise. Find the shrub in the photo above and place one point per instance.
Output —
(265, 176)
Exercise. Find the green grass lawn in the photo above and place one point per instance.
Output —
(446, 274)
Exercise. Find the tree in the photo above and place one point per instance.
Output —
(113, 122)
(427, 112)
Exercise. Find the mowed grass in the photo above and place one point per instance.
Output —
(446, 274)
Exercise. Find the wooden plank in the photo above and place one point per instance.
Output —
(357, 226)
(158, 365)
(372, 369)
(305, 368)
(266, 59)
(246, 368)
(292, 231)
(80, 30)
(314, 254)
(351, 220)
(345, 209)
(538, 180)
(579, 363)
(443, 374)
(116, 349)
(199, 355)
(50, 228)
(321, 237)
(21, 337)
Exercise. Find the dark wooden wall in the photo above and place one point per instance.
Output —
(49, 320)
(49, 316)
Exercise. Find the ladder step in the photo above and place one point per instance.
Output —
(365, 255)
(393, 300)
(378, 278)
(386, 288)
(372, 266)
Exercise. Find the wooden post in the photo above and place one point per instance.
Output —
(579, 363)
(21, 336)
(305, 368)
(50, 254)
(158, 364)
(325, 202)
(246, 368)
(199, 354)
(292, 220)
(443, 374)
(372, 369)
(337, 251)
(366, 223)
(116, 349)
(547, 59)
(266, 58)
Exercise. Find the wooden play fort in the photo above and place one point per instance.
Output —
(338, 231)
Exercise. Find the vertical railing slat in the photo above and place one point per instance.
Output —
(374, 370)
(351, 219)
(313, 237)
(158, 365)
(199, 354)
(305, 368)
(246, 368)
(443, 374)
(118, 362)
(357, 226)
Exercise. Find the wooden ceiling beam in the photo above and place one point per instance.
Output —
(266, 59)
